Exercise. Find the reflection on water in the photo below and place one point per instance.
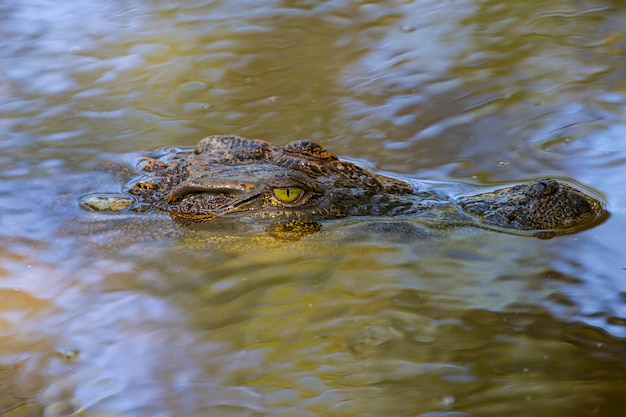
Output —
(129, 315)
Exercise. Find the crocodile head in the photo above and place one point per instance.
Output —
(236, 178)
(236, 181)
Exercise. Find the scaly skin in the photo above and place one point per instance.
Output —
(299, 184)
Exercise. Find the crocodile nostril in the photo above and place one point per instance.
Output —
(544, 187)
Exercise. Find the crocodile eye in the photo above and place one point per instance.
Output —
(287, 194)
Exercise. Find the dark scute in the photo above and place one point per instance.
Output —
(309, 149)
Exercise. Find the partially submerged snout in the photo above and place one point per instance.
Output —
(545, 207)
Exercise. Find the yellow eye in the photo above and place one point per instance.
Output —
(287, 194)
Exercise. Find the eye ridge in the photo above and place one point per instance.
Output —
(287, 194)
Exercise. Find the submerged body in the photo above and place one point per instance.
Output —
(301, 183)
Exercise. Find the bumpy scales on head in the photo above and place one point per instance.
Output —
(301, 182)
(254, 179)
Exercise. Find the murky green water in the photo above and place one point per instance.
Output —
(99, 317)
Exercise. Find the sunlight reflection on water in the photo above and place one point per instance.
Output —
(106, 315)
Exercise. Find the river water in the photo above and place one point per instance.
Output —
(104, 315)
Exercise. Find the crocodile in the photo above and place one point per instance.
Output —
(293, 188)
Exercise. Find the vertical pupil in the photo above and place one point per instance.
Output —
(287, 194)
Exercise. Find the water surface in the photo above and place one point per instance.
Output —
(127, 315)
